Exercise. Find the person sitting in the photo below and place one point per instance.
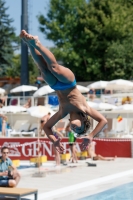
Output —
(92, 95)
(9, 176)
(3, 100)
(94, 156)
(28, 104)
(126, 100)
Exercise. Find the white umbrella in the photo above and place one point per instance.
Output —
(2, 91)
(119, 84)
(82, 89)
(105, 106)
(98, 85)
(13, 109)
(124, 107)
(101, 106)
(23, 88)
(39, 111)
(43, 91)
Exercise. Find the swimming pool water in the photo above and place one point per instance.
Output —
(123, 192)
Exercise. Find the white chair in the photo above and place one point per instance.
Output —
(112, 101)
(20, 125)
(28, 134)
(32, 131)
(25, 130)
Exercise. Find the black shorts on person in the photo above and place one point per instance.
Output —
(72, 143)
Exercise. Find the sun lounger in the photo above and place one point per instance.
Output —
(28, 134)
(31, 132)
(17, 192)
(20, 125)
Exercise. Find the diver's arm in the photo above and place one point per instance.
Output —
(102, 121)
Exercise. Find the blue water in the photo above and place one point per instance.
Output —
(123, 192)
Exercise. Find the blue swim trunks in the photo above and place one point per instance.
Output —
(63, 86)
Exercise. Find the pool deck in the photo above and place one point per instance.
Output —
(75, 181)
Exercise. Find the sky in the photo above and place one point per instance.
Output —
(36, 7)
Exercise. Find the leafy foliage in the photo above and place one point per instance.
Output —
(93, 38)
(8, 40)
(15, 70)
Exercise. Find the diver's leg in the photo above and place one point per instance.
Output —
(40, 62)
(63, 74)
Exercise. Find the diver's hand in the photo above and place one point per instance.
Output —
(85, 143)
(59, 147)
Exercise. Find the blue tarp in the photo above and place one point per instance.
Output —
(53, 100)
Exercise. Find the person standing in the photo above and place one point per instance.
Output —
(72, 144)
(43, 121)
(4, 126)
(57, 135)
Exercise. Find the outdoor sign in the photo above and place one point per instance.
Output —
(26, 148)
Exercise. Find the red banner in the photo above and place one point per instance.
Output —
(26, 148)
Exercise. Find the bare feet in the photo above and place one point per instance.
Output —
(22, 36)
(30, 39)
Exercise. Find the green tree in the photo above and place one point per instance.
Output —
(15, 70)
(93, 38)
(8, 40)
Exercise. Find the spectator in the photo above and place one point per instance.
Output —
(107, 91)
(58, 135)
(92, 95)
(126, 100)
(3, 100)
(9, 176)
(94, 156)
(72, 144)
(43, 121)
(28, 104)
(4, 126)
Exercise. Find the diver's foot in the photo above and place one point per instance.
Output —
(22, 36)
(32, 40)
